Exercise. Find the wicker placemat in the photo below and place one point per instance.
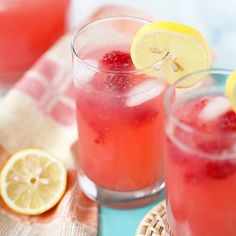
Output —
(153, 224)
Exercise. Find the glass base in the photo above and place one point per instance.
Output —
(118, 199)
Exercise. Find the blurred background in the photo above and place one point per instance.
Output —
(216, 19)
(29, 28)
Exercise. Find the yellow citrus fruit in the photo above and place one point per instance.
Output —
(179, 48)
(32, 182)
(230, 90)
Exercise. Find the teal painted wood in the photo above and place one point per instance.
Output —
(115, 222)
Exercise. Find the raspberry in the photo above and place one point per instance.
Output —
(116, 61)
(99, 140)
(220, 169)
(213, 145)
(228, 121)
(145, 116)
(118, 82)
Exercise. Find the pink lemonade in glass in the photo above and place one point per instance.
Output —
(120, 119)
(201, 159)
(28, 28)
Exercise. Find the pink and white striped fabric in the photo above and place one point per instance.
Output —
(51, 86)
(39, 112)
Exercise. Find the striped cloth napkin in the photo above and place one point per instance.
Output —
(39, 112)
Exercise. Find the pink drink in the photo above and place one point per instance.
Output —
(121, 136)
(201, 167)
(120, 116)
(28, 28)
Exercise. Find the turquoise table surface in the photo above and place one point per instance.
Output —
(115, 222)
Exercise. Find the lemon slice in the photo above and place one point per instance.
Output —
(32, 182)
(231, 90)
(179, 48)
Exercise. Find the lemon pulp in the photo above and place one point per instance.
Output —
(32, 182)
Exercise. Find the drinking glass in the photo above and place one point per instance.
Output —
(201, 157)
(120, 116)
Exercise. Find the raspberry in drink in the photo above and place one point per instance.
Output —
(120, 118)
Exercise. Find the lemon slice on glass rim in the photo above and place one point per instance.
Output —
(230, 90)
(176, 49)
(32, 182)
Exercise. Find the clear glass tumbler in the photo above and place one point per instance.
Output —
(120, 116)
(201, 157)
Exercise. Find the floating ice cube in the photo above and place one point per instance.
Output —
(144, 92)
(83, 73)
(215, 107)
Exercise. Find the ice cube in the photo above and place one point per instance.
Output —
(144, 92)
(215, 107)
(83, 73)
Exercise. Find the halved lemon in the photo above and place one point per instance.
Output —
(179, 48)
(230, 90)
(32, 182)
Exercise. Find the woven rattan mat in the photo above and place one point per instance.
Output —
(153, 224)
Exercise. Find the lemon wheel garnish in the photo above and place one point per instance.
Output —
(32, 182)
(230, 90)
(182, 50)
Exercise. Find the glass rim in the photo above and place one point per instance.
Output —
(174, 118)
(105, 19)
